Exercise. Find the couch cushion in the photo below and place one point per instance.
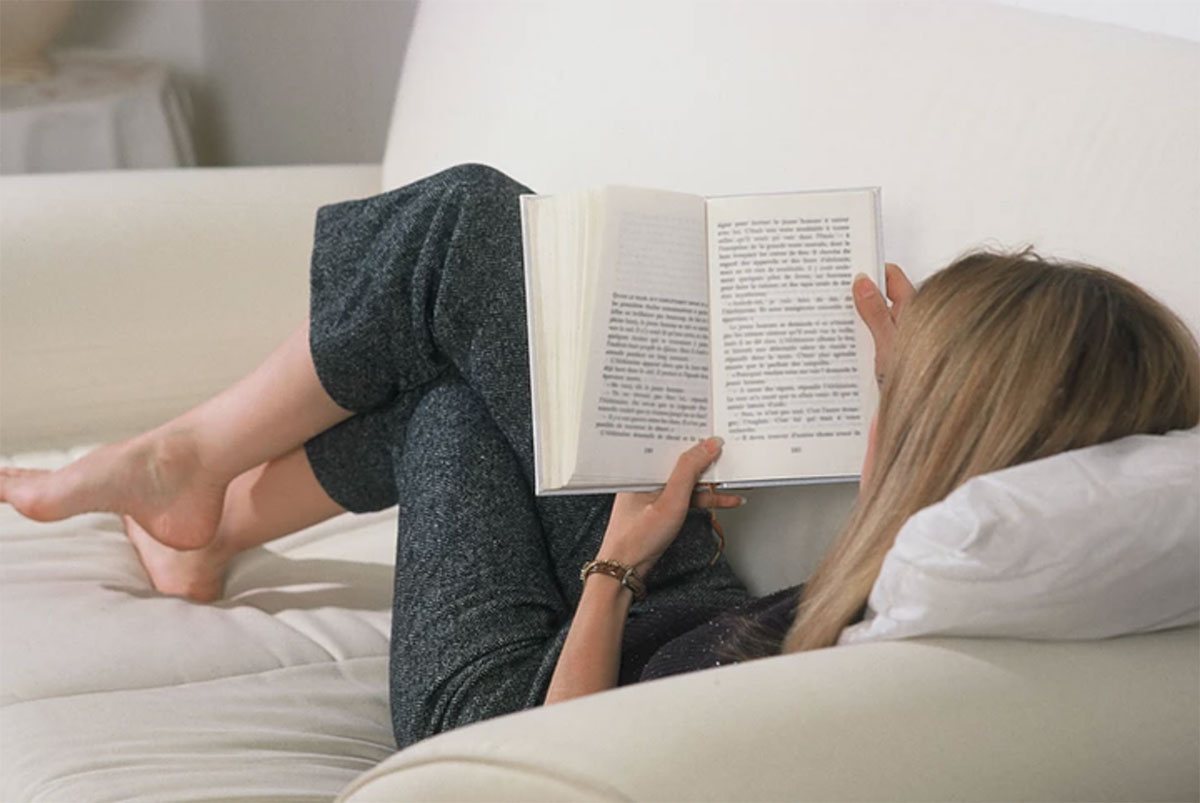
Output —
(111, 691)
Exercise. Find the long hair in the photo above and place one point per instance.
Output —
(1000, 358)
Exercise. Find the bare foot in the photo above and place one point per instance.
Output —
(196, 574)
(156, 479)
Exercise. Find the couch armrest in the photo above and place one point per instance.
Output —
(930, 719)
(129, 296)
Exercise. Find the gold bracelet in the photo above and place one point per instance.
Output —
(619, 571)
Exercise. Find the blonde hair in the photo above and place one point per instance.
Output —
(1000, 358)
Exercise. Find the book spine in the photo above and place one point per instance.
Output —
(531, 333)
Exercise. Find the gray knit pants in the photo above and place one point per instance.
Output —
(418, 325)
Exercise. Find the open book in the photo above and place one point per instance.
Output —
(657, 319)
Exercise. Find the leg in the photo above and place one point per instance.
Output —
(354, 461)
(268, 413)
(420, 281)
(262, 504)
(440, 263)
(398, 281)
(485, 586)
(403, 284)
(478, 610)
(171, 480)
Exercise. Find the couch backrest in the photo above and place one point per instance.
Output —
(983, 124)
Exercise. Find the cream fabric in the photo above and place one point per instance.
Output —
(953, 719)
(130, 296)
(111, 691)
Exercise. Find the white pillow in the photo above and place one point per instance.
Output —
(1092, 543)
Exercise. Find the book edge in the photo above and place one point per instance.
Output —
(539, 480)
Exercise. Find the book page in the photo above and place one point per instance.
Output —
(793, 375)
(646, 396)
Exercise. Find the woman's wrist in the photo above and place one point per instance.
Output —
(624, 573)
(640, 567)
(608, 588)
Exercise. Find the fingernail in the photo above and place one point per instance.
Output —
(742, 500)
(714, 444)
(861, 287)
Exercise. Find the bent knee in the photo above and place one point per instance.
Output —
(453, 447)
(477, 176)
(450, 411)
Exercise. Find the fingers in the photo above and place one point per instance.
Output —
(687, 471)
(707, 499)
(899, 288)
(873, 310)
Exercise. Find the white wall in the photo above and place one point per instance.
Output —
(271, 82)
(304, 81)
(168, 32)
(171, 32)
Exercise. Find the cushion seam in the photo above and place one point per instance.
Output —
(182, 684)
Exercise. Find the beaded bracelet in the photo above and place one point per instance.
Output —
(626, 574)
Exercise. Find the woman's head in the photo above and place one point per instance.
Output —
(1000, 359)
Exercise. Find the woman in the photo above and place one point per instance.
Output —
(409, 385)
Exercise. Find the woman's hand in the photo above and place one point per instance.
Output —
(878, 316)
(882, 321)
(643, 525)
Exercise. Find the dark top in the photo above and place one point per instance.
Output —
(673, 641)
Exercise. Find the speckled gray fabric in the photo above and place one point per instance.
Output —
(418, 324)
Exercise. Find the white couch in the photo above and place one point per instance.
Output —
(129, 296)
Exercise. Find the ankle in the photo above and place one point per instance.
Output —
(238, 520)
(181, 444)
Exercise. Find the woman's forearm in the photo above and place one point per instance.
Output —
(641, 527)
(591, 656)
